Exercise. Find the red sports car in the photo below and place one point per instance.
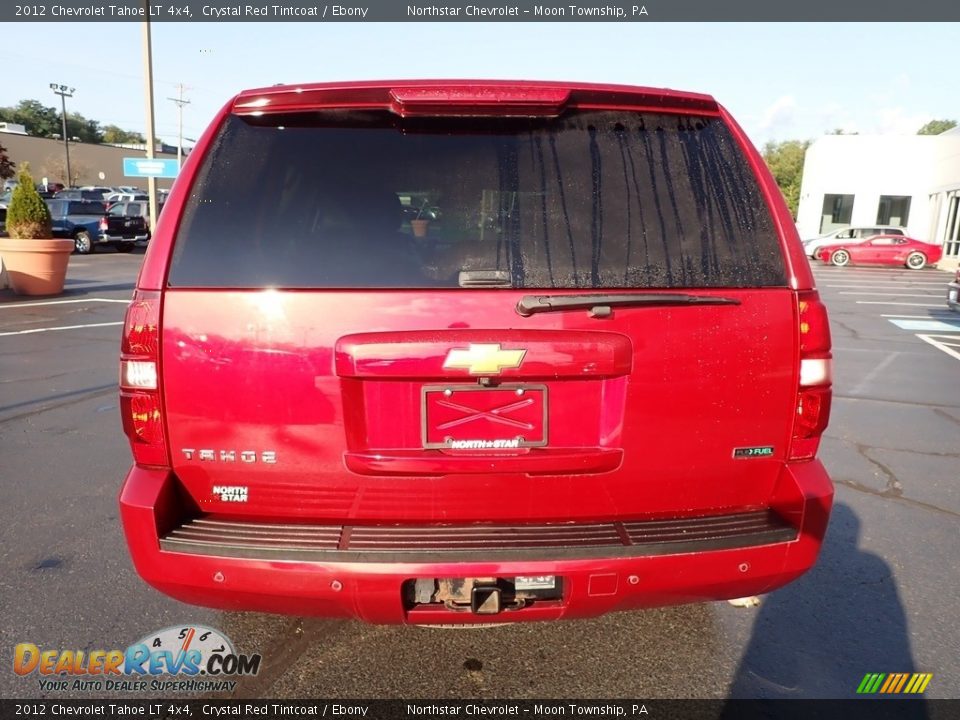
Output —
(882, 250)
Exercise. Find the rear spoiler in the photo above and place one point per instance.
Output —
(466, 98)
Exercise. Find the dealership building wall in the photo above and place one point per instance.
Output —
(89, 164)
(912, 181)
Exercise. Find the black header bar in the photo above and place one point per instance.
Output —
(485, 11)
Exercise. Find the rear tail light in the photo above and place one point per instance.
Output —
(103, 224)
(814, 391)
(140, 404)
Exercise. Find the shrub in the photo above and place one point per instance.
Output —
(28, 216)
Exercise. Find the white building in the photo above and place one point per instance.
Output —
(15, 128)
(911, 180)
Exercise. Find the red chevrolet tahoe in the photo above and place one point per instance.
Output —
(443, 352)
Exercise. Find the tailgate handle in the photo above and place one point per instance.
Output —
(485, 279)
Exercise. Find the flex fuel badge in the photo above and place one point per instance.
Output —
(753, 452)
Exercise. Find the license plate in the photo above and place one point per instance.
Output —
(535, 582)
(474, 418)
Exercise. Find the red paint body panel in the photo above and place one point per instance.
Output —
(269, 379)
(327, 407)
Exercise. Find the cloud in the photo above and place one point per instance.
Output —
(898, 121)
(778, 116)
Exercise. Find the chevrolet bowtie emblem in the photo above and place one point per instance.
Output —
(483, 359)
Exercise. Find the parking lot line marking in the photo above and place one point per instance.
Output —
(946, 347)
(867, 284)
(887, 294)
(884, 302)
(932, 316)
(62, 302)
(55, 329)
(927, 324)
(873, 373)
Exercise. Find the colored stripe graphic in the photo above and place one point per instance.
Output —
(894, 683)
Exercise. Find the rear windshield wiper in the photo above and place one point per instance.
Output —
(600, 305)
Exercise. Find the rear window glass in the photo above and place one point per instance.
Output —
(86, 208)
(368, 199)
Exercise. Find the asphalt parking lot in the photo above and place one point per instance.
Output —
(882, 598)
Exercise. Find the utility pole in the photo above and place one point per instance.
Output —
(180, 103)
(151, 140)
(64, 92)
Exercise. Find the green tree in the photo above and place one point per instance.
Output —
(39, 120)
(6, 165)
(935, 127)
(115, 135)
(785, 160)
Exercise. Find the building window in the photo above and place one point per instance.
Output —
(951, 245)
(893, 210)
(837, 211)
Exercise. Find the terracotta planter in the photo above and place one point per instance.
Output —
(419, 227)
(36, 267)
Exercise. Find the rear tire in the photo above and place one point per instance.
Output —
(83, 243)
(840, 258)
(124, 247)
(916, 261)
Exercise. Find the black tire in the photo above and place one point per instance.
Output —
(916, 261)
(840, 258)
(124, 247)
(83, 243)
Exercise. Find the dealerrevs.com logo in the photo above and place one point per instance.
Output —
(183, 658)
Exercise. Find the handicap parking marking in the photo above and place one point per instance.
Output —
(927, 325)
(950, 344)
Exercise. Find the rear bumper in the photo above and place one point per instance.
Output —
(334, 583)
(141, 237)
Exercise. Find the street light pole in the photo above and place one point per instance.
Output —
(64, 92)
(148, 88)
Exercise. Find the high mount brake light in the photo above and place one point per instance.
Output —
(814, 390)
(140, 405)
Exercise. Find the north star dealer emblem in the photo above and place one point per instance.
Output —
(483, 359)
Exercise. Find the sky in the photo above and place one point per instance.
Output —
(781, 81)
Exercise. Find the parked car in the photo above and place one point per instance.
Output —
(882, 250)
(104, 191)
(124, 225)
(563, 412)
(135, 208)
(88, 225)
(848, 235)
(953, 293)
(116, 197)
(78, 194)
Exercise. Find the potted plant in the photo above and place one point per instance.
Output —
(419, 224)
(36, 262)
